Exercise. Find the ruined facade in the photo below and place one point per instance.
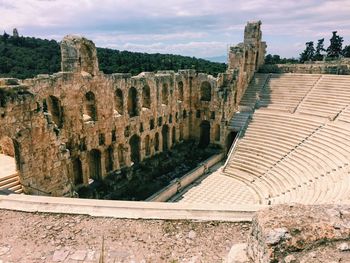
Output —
(81, 124)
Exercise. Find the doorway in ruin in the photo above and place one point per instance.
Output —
(147, 146)
(217, 132)
(181, 136)
(156, 142)
(165, 135)
(109, 159)
(55, 108)
(121, 158)
(135, 148)
(9, 157)
(204, 138)
(132, 102)
(95, 164)
(231, 137)
(77, 172)
(173, 136)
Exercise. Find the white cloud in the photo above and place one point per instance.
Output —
(190, 27)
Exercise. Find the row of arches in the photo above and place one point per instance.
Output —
(53, 105)
(161, 141)
(133, 97)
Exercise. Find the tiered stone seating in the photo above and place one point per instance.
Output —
(328, 98)
(296, 149)
(11, 182)
(252, 93)
(316, 171)
(284, 92)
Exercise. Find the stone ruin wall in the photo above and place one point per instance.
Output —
(68, 125)
(340, 67)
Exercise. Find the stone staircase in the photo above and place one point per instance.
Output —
(248, 102)
(11, 183)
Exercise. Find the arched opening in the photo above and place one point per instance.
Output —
(95, 164)
(181, 137)
(90, 112)
(230, 139)
(10, 162)
(205, 91)
(87, 61)
(132, 102)
(121, 158)
(119, 101)
(165, 94)
(135, 148)
(204, 139)
(109, 159)
(217, 132)
(173, 135)
(77, 172)
(180, 86)
(156, 142)
(257, 60)
(55, 109)
(245, 61)
(165, 135)
(147, 146)
(146, 97)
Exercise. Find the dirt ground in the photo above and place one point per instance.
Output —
(39, 237)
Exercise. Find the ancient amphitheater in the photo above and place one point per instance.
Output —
(287, 139)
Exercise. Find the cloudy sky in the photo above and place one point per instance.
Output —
(201, 28)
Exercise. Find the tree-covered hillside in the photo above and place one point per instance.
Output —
(25, 57)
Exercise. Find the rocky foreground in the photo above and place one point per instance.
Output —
(38, 237)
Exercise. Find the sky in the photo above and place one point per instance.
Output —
(200, 28)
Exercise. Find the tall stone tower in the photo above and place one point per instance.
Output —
(79, 55)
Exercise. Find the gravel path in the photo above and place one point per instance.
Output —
(39, 237)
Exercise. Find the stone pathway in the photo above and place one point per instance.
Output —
(7, 165)
(38, 237)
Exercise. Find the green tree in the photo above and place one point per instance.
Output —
(309, 52)
(346, 51)
(335, 48)
(319, 54)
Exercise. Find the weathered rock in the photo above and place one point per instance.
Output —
(300, 233)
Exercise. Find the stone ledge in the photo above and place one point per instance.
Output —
(128, 209)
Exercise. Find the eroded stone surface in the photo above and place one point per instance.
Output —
(300, 233)
(37, 237)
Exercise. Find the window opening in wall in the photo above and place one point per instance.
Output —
(205, 91)
(132, 102)
(180, 86)
(204, 139)
(165, 94)
(90, 112)
(146, 97)
(119, 101)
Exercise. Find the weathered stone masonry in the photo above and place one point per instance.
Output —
(80, 123)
